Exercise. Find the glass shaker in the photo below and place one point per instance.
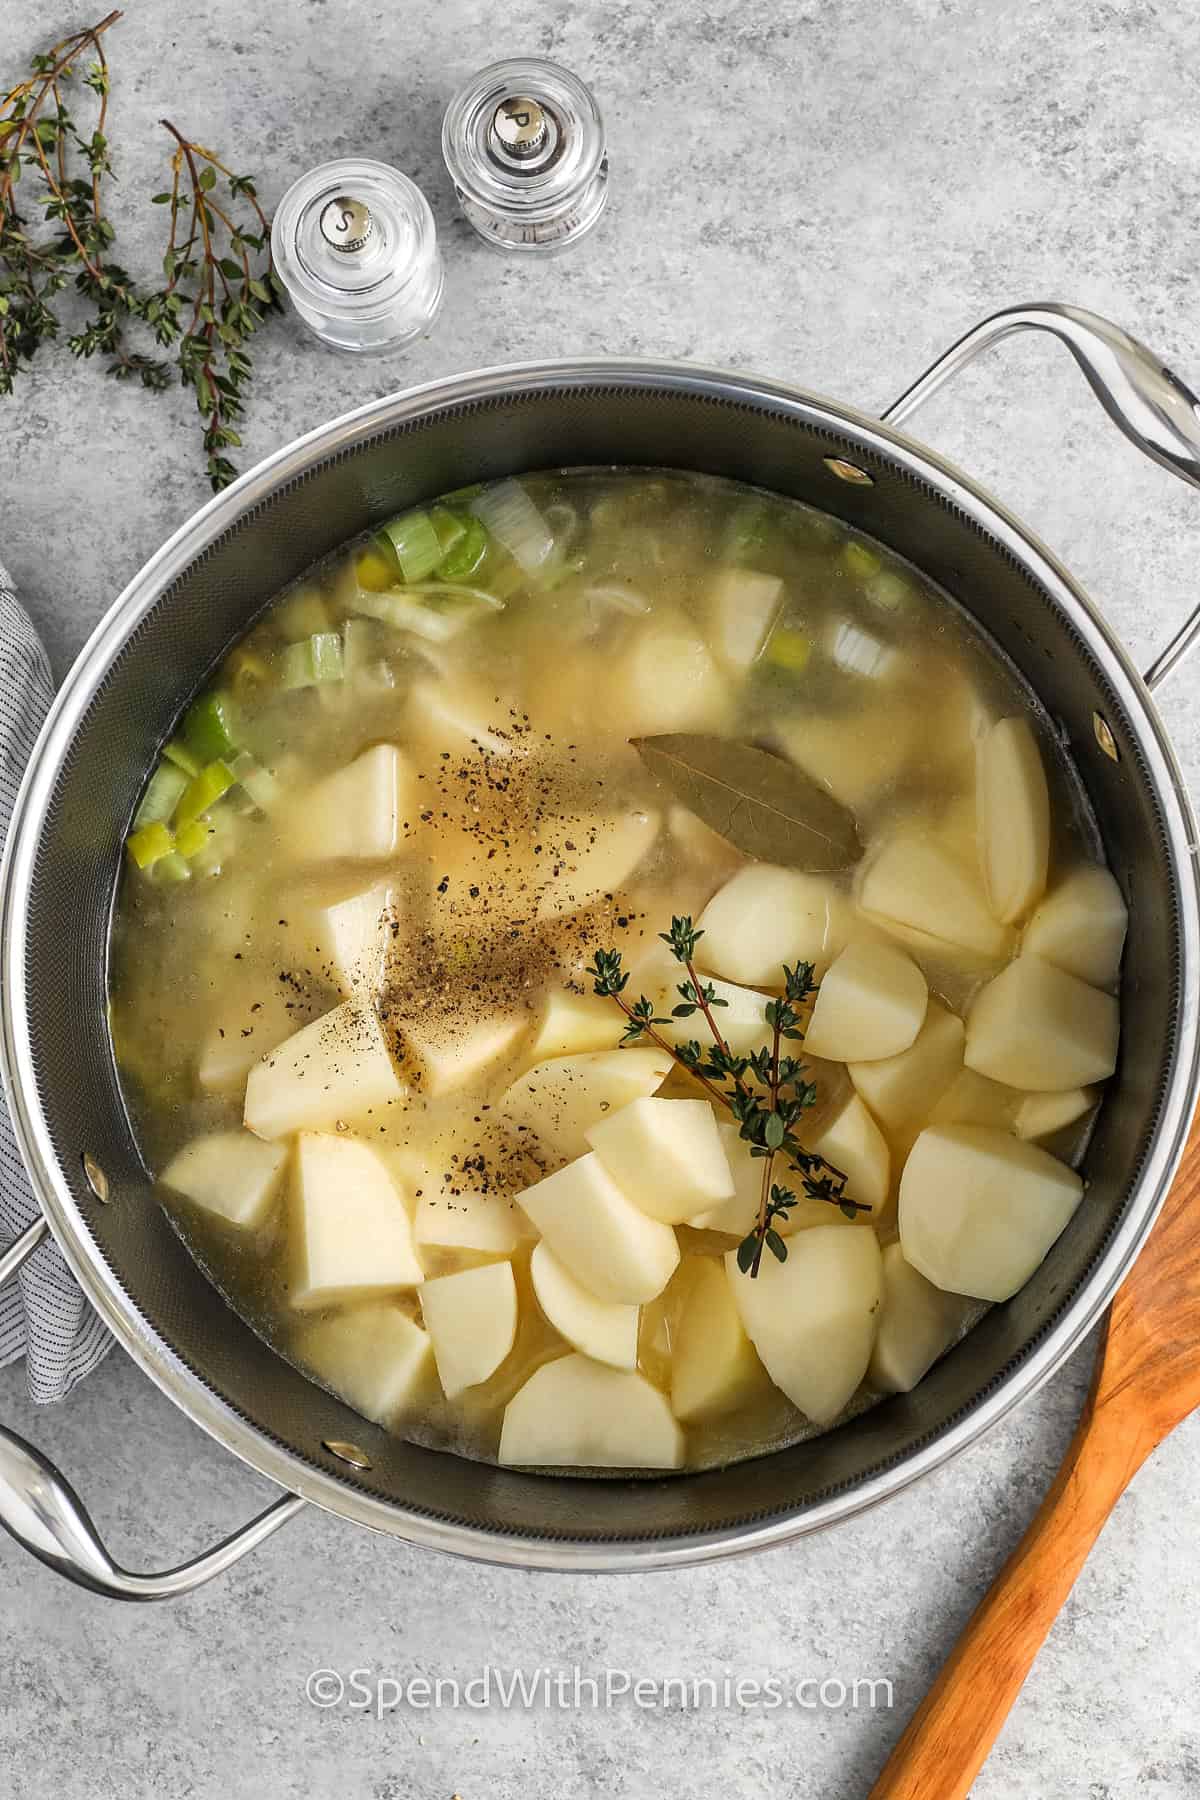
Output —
(355, 246)
(524, 145)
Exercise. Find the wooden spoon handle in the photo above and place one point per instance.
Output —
(954, 1728)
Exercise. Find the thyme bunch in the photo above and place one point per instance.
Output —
(767, 1092)
(218, 280)
(65, 165)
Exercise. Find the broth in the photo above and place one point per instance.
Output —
(565, 616)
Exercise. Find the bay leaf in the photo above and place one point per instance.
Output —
(763, 806)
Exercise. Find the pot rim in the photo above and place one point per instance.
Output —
(68, 1223)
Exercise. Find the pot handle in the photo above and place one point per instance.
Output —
(44, 1513)
(1152, 406)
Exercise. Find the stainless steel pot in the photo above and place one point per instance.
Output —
(200, 591)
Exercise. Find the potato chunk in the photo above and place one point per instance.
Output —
(901, 1089)
(1041, 1115)
(741, 1017)
(1014, 817)
(912, 885)
(742, 608)
(558, 1100)
(337, 1068)
(714, 1366)
(856, 766)
(979, 1209)
(353, 1237)
(471, 1316)
(737, 1215)
(572, 1024)
(812, 1318)
(460, 720)
(666, 1155)
(610, 1246)
(871, 1004)
(602, 1329)
(1036, 1027)
(452, 1052)
(665, 681)
(576, 1413)
(917, 1323)
(452, 1214)
(1080, 926)
(765, 917)
(972, 1099)
(229, 1173)
(375, 1357)
(352, 936)
(355, 812)
(608, 848)
(853, 1143)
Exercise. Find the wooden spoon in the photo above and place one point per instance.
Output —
(1147, 1380)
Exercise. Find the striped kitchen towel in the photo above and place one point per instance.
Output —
(43, 1314)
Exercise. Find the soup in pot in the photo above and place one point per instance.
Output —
(614, 972)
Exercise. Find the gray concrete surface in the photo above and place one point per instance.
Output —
(828, 192)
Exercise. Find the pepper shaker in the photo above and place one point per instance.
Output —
(524, 144)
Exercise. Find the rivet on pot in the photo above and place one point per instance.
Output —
(347, 1453)
(95, 1177)
(848, 471)
(1104, 736)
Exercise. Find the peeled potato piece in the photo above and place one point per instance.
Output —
(972, 1099)
(737, 1214)
(856, 766)
(915, 885)
(335, 1069)
(1036, 1027)
(471, 1317)
(602, 1329)
(742, 608)
(576, 1413)
(900, 1089)
(666, 1155)
(871, 1004)
(714, 1366)
(351, 937)
(356, 811)
(853, 1143)
(452, 1053)
(375, 1357)
(609, 847)
(1041, 1115)
(979, 1209)
(460, 721)
(572, 1024)
(559, 1099)
(917, 1322)
(1080, 926)
(232, 1174)
(812, 1318)
(741, 1017)
(354, 1239)
(1014, 817)
(765, 917)
(665, 681)
(611, 1247)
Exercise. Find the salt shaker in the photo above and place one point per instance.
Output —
(355, 246)
(524, 145)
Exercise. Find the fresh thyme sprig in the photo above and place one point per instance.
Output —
(767, 1092)
(221, 268)
(68, 163)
